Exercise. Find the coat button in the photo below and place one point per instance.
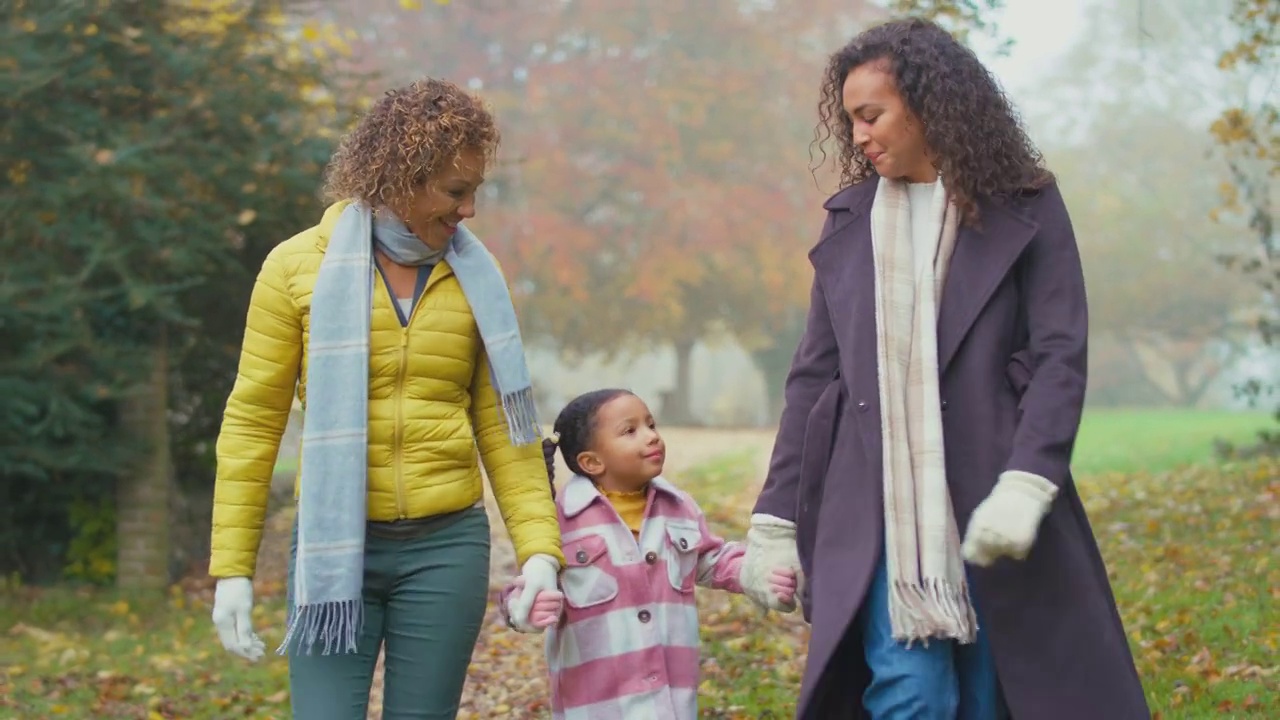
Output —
(684, 544)
(944, 404)
(645, 616)
(581, 556)
(651, 557)
(863, 406)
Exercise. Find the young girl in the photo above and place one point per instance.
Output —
(623, 641)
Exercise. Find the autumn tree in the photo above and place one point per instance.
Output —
(654, 187)
(153, 151)
(1248, 133)
(651, 186)
(1138, 174)
(966, 19)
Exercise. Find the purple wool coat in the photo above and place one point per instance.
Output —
(1012, 330)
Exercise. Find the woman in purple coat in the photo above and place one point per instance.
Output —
(921, 473)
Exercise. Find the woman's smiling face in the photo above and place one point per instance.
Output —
(446, 198)
(886, 130)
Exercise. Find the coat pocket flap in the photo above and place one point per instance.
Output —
(585, 550)
(588, 578)
(684, 537)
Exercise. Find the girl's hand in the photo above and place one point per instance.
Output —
(547, 607)
(782, 583)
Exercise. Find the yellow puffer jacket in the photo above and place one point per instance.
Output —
(431, 403)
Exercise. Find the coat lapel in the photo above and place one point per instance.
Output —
(982, 258)
(844, 265)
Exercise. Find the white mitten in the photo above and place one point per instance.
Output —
(539, 573)
(771, 544)
(1006, 523)
(232, 608)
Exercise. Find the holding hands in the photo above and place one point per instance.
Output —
(771, 568)
(535, 603)
(783, 584)
(545, 611)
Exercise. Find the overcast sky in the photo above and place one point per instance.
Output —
(1042, 31)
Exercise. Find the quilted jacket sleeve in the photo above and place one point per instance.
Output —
(518, 474)
(254, 422)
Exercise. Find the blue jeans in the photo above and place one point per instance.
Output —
(425, 598)
(944, 681)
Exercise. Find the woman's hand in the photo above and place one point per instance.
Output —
(771, 546)
(537, 578)
(543, 613)
(1006, 523)
(232, 616)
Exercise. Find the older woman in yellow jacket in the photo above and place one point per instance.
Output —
(395, 326)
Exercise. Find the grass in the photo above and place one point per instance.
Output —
(1129, 439)
(86, 654)
(1190, 549)
(1144, 440)
(1191, 554)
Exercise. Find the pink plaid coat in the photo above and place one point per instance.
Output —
(626, 647)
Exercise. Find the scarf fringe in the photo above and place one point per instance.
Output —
(336, 624)
(522, 417)
(937, 609)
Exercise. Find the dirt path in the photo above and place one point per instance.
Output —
(506, 665)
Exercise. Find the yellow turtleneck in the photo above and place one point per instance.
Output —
(629, 506)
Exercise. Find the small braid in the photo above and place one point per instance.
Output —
(576, 424)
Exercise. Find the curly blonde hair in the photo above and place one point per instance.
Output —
(404, 138)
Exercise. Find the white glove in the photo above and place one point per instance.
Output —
(232, 605)
(1006, 523)
(771, 544)
(539, 573)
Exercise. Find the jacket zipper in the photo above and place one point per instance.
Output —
(398, 448)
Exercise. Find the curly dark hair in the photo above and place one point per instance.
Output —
(576, 423)
(974, 136)
(404, 138)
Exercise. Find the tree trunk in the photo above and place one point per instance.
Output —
(144, 496)
(774, 362)
(676, 409)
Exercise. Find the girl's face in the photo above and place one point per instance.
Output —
(626, 451)
(884, 127)
(446, 198)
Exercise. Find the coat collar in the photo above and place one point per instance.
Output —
(984, 255)
(579, 493)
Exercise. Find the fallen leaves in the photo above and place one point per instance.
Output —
(1191, 556)
(1191, 560)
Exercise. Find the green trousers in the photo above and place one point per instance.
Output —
(424, 596)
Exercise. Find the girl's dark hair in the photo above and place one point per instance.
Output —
(576, 423)
(975, 137)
